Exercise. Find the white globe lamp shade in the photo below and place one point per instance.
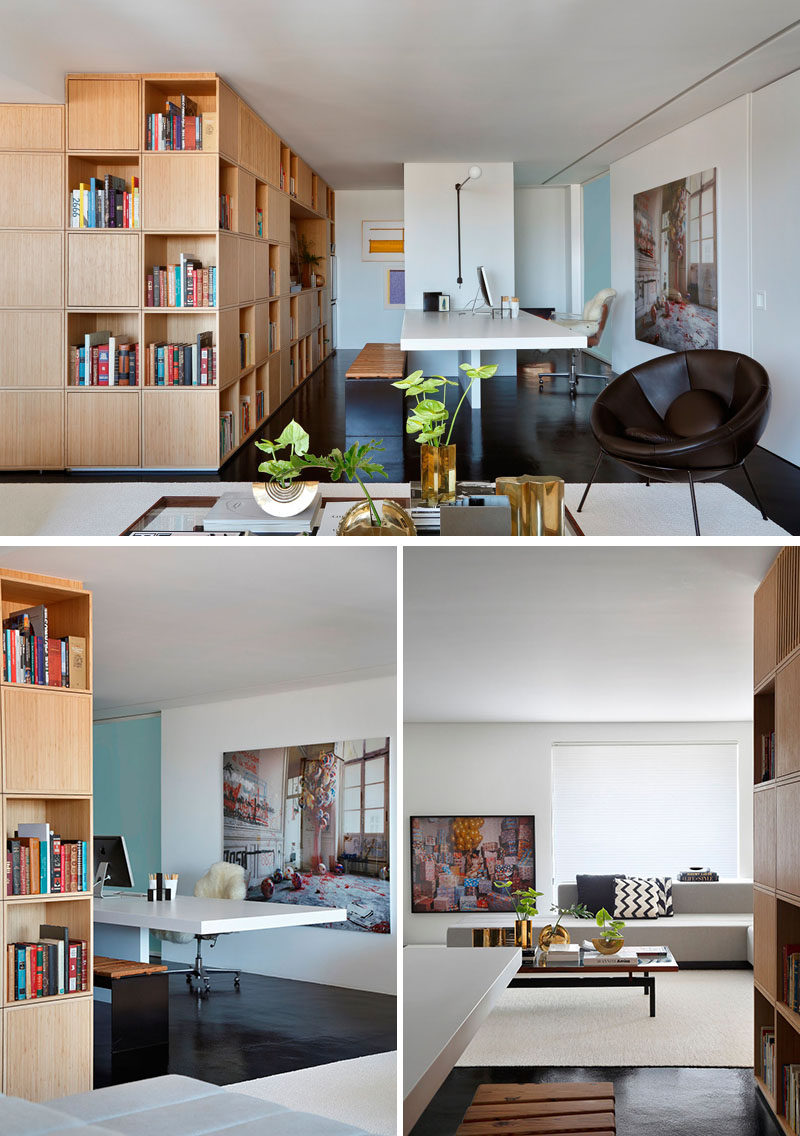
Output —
(475, 171)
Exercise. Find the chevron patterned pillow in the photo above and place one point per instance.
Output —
(635, 898)
(664, 885)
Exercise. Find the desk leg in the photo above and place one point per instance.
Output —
(131, 943)
(474, 360)
(652, 995)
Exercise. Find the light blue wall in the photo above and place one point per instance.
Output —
(127, 789)
(596, 235)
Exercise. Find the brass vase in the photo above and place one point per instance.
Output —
(359, 521)
(607, 946)
(437, 474)
(523, 933)
(547, 936)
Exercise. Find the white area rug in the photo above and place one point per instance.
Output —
(87, 508)
(636, 509)
(703, 1017)
(362, 1092)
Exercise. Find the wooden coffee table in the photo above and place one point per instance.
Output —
(536, 970)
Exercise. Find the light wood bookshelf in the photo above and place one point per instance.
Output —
(58, 283)
(776, 806)
(46, 775)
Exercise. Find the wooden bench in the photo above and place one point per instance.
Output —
(378, 361)
(555, 1109)
(139, 1013)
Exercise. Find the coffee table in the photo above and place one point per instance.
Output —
(536, 969)
(174, 515)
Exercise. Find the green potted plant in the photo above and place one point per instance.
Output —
(610, 939)
(428, 420)
(307, 258)
(554, 932)
(284, 494)
(524, 904)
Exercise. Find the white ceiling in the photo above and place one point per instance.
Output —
(358, 87)
(561, 634)
(181, 625)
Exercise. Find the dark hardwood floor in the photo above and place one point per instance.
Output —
(518, 430)
(271, 1025)
(649, 1101)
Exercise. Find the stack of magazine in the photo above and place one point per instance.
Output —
(241, 513)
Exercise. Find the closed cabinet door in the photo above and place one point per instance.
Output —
(103, 428)
(103, 114)
(787, 718)
(48, 1047)
(48, 740)
(180, 192)
(33, 191)
(31, 270)
(180, 429)
(103, 270)
(31, 429)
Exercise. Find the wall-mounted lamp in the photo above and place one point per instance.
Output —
(473, 173)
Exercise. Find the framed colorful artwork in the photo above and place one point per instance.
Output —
(383, 240)
(456, 861)
(395, 294)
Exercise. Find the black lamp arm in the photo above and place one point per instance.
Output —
(459, 186)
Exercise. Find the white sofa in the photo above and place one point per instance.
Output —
(163, 1106)
(712, 924)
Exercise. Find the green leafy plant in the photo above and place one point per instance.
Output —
(524, 901)
(352, 463)
(575, 910)
(610, 929)
(305, 254)
(428, 416)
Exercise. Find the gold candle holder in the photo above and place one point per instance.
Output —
(537, 504)
(523, 933)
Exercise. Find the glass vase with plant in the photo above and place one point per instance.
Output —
(554, 932)
(428, 419)
(524, 904)
(610, 939)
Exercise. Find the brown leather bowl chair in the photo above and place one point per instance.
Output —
(690, 416)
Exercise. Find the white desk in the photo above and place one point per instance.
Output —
(470, 335)
(447, 995)
(122, 924)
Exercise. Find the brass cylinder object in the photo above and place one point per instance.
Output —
(523, 933)
(537, 504)
(488, 936)
(437, 474)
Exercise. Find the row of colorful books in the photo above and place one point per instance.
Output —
(245, 422)
(245, 350)
(273, 336)
(182, 364)
(32, 656)
(184, 285)
(259, 222)
(225, 212)
(768, 756)
(225, 432)
(38, 862)
(768, 1057)
(179, 128)
(105, 203)
(260, 405)
(104, 360)
(791, 1096)
(56, 964)
(791, 976)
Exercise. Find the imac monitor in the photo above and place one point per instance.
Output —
(111, 851)
(483, 284)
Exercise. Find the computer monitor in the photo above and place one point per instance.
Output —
(111, 851)
(483, 284)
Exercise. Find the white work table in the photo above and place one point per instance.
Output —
(123, 923)
(471, 334)
(447, 994)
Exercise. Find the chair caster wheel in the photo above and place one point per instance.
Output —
(188, 980)
(236, 983)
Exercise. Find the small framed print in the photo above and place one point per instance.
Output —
(395, 290)
(444, 303)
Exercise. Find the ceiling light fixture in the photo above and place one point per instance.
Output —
(473, 173)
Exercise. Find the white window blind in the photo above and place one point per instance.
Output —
(645, 809)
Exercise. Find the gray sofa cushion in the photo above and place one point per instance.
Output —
(691, 899)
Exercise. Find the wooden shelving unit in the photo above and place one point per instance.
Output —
(46, 764)
(58, 283)
(776, 806)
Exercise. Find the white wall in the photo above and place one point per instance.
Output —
(487, 238)
(542, 251)
(193, 740)
(492, 768)
(362, 314)
(776, 239)
(718, 139)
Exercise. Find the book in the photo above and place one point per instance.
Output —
(240, 512)
(76, 655)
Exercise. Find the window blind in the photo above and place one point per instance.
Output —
(645, 809)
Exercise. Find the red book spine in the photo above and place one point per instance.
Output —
(56, 864)
(54, 662)
(39, 971)
(9, 873)
(64, 877)
(73, 968)
(149, 301)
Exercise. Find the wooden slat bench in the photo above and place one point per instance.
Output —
(378, 361)
(557, 1109)
(139, 1013)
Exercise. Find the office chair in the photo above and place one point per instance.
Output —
(592, 324)
(221, 881)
